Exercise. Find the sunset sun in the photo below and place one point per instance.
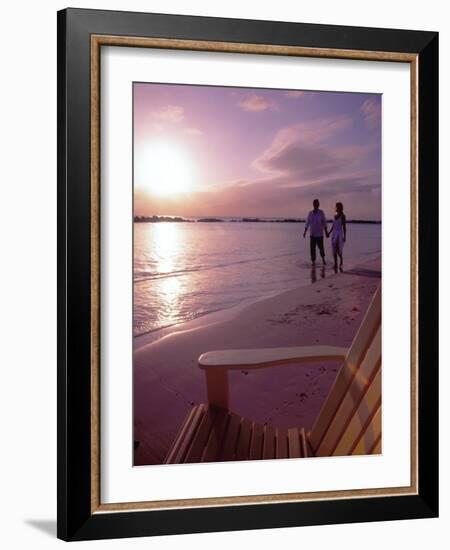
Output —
(164, 169)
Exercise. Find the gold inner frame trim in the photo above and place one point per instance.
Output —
(97, 41)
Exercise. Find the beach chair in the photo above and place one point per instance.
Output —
(349, 422)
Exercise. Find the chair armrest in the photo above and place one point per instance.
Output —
(267, 357)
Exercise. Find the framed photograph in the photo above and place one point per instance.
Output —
(247, 255)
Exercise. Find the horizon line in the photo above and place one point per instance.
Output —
(247, 217)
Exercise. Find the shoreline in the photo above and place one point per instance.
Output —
(167, 381)
(229, 313)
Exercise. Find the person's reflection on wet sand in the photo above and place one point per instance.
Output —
(314, 273)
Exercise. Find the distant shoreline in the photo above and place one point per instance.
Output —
(178, 219)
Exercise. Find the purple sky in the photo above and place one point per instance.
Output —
(256, 152)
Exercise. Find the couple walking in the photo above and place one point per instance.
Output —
(317, 224)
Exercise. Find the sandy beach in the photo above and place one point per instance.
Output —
(168, 382)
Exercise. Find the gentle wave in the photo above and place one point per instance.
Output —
(145, 330)
(177, 273)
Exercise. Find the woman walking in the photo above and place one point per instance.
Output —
(338, 233)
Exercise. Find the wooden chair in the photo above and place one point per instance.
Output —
(349, 422)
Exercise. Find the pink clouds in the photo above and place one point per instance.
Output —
(371, 111)
(256, 103)
(295, 94)
(310, 133)
(193, 132)
(303, 161)
(170, 119)
(300, 149)
(261, 152)
(257, 199)
(307, 159)
(172, 114)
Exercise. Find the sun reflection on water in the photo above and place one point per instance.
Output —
(166, 243)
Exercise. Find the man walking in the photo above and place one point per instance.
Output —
(317, 224)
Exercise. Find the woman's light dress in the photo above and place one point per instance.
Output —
(337, 236)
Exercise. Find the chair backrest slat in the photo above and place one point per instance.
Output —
(362, 346)
(355, 394)
(370, 441)
(366, 331)
(377, 450)
(362, 417)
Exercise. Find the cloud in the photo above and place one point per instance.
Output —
(172, 114)
(255, 103)
(295, 94)
(311, 132)
(304, 161)
(307, 164)
(359, 193)
(301, 150)
(193, 131)
(371, 112)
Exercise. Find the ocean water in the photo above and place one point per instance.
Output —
(183, 271)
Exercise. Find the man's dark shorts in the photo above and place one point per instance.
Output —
(316, 241)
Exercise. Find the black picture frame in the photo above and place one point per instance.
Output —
(76, 520)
